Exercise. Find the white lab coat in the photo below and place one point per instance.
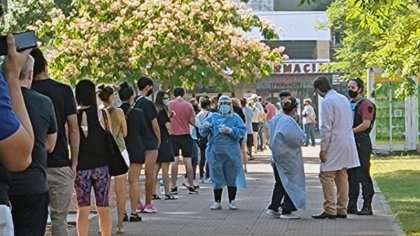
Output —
(337, 137)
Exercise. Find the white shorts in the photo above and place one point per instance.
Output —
(6, 222)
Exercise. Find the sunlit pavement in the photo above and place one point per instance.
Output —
(191, 214)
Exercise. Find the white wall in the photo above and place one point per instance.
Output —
(295, 25)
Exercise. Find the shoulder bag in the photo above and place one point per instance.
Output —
(117, 164)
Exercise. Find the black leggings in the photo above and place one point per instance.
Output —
(231, 193)
(204, 167)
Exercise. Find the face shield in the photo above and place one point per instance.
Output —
(225, 105)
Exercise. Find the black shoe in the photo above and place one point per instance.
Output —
(125, 219)
(352, 211)
(135, 218)
(174, 190)
(192, 190)
(342, 216)
(324, 215)
(196, 186)
(366, 211)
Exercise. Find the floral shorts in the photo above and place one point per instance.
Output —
(97, 178)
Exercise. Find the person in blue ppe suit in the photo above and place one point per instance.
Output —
(286, 139)
(224, 130)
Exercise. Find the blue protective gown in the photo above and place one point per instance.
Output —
(286, 139)
(223, 150)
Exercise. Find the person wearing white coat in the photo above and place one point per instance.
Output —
(338, 150)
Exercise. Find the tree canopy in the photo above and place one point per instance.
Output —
(378, 33)
(178, 42)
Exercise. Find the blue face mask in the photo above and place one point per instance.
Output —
(165, 102)
(224, 109)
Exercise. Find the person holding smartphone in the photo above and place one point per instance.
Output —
(16, 133)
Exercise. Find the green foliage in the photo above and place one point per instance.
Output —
(178, 42)
(378, 33)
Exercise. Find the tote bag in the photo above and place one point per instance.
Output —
(117, 164)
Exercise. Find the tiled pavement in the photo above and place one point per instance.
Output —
(190, 214)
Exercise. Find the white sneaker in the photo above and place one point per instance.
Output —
(207, 181)
(232, 206)
(290, 216)
(273, 213)
(216, 206)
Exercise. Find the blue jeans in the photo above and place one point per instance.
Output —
(310, 133)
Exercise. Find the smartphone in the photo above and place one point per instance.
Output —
(24, 40)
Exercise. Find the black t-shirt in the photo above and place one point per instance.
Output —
(33, 180)
(93, 148)
(136, 127)
(163, 118)
(64, 104)
(150, 113)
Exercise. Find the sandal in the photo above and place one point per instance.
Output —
(120, 230)
(170, 197)
(156, 197)
(135, 217)
(125, 219)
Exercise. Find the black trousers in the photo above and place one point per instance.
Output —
(361, 175)
(204, 168)
(279, 195)
(30, 213)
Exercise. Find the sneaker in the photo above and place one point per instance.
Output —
(290, 216)
(140, 207)
(273, 213)
(174, 190)
(207, 181)
(232, 205)
(216, 206)
(192, 190)
(150, 208)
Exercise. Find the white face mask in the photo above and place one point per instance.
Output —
(165, 101)
(224, 109)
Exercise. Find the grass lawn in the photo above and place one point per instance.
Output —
(399, 180)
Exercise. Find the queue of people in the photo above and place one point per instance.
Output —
(219, 135)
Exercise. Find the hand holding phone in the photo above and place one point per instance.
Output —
(14, 61)
(23, 41)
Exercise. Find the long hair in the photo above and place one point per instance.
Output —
(159, 100)
(85, 93)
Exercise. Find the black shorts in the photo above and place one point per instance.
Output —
(249, 140)
(150, 144)
(137, 157)
(254, 127)
(183, 143)
(166, 152)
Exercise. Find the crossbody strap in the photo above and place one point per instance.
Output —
(105, 117)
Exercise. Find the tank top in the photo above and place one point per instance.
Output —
(116, 128)
(92, 150)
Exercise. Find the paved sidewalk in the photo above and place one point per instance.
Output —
(191, 215)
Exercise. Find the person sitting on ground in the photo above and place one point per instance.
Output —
(224, 130)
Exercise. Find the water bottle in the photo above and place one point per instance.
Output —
(161, 187)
